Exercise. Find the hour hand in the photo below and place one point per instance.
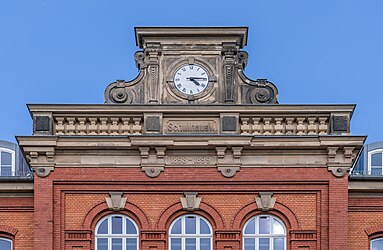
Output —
(193, 80)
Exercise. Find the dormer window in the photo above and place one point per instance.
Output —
(7, 162)
(375, 160)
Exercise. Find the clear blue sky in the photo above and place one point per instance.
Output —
(68, 51)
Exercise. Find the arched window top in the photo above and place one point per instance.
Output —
(264, 232)
(5, 244)
(375, 162)
(377, 244)
(190, 232)
(116, 232)
(7, 162)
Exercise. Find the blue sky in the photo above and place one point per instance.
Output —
(68, 51)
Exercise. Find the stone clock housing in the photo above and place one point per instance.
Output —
(216, 50)
(191, 154)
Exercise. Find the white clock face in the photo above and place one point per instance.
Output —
(191, 79)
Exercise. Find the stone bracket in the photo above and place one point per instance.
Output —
(190, 202)
(115, 202)
(338, 171)
(42, 162)
(228, 163)
(152, 161)
(43, 171)
(265, 201)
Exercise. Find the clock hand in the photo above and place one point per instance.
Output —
(195, 82)
(197, 78)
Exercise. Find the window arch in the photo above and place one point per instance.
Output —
(264, 232)
(116, 232)
(190, 232)
(7, 162)
(377, 244)
(375, 162)
(5, 244)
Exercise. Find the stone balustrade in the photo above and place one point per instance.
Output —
(97, 125)
(255, 125)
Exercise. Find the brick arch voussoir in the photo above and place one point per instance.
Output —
(279, 210)
(8, 230)
(102, 209)
(377, 229)
(176, 210)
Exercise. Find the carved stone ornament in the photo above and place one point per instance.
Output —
(190, 202)
(43, 171)
(154, 165)
(228, 166)
(115, 201)
(339, 171)
(265, 201)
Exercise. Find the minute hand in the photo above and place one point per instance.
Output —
(197, 78)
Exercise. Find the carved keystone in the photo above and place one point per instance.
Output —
(190, 202)
(115, 202)
(265, 202)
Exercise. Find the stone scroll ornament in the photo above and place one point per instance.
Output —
(260, 91)
(128, 92)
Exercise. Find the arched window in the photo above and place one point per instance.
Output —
(264, 232)
(377, 244)
(190, 232)
(116, 232)
(7, 162)
(375, 162)
(5, 244)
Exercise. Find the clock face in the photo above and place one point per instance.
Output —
(191, 79)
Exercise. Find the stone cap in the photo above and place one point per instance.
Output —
(217, 35)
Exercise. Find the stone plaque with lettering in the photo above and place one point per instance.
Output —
(190, 126)
(190, 160)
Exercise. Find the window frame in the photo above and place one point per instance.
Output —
(13, 166)
(109, 236)
(369, 166)
(375, 239)
(257, 235)
(183, 236)
(7, 239)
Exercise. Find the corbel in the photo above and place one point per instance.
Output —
(41, 162)
(331, 153)
(152, 165)
(228, 167)
(349, 155)
(190, 202)
(265, 201)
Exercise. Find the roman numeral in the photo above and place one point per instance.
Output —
(178, 73)
(183, 69)
(198, 69)
(179, 85)
(191, 66)
(203, 73)
(177, 79)
(203, 85)
(198, 90)
(183, 90)
(191, 91)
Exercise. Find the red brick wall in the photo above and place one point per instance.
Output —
(366, 220)
(74, 199)
(16, 221)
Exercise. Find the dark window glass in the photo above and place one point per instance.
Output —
(205, 244)
(131, 244)
(204, 227)
(6, 158)
(176, 243)
(103, 228)
(102, 244)
(250, 228)
(249, 244)
(377, 244)
(190, 222)
(279, 244)
(264, 244)
(117, 244)
(176, 229)
(191, 244)
(376, 159)
(116, 225)
(264, 225)
(130, 228)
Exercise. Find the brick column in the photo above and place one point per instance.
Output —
(43, 213)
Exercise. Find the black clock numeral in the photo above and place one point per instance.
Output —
(203, 85)
(179, 85)
(178, 73)
(191, 66)
(183, 69)
(199, 90)
(203, 73)
(177, 79)
(191, 91)
(183, 90)
(198, 69)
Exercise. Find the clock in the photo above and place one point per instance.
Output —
(191, 80)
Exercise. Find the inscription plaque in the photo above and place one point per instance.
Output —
(190, 160)
(176, 126)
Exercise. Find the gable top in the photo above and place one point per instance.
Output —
(215, 35)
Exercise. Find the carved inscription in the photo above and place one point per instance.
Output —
(190, 160)
(174, 126)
